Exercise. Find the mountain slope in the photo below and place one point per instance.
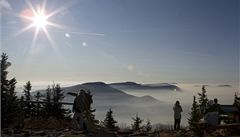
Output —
(136, 86)
(103, 94)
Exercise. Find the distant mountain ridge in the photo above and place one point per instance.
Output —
(137, 86)
(104, 94)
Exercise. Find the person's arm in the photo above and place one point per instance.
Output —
(181, 109)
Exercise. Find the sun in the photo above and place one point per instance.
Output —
(37, 18)
(40, 20)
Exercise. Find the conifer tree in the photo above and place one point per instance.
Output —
(53, 106)
(27, 96)
(58, 110)
(203, 100)
(9, 102)
(38, 106)
(148, 126)
(22, 104)
(47, 107)
(136, 126)
(195, 117)
(109, 121)
(236, 101)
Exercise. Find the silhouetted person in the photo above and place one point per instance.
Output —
(211, 116)
(78, 109)
(217, 108)
(177, 115)
(216, 105)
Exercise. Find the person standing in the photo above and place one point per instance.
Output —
(177, 115)
(78, 120)
(217, 109)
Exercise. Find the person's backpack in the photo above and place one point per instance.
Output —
(83, 101)
(79, 104)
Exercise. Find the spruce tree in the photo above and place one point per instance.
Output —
(236, 101)
(203, 100)
(148, 126)
(53, 106)
(136, 126)
(38, 106)
(109, 121)
(22, 104)
(47, 107)
(27, 96)
(195, 117)
(58, 110)
(9, 102)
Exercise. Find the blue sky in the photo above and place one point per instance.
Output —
(147, 41)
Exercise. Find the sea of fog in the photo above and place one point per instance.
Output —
(225, 95)
(164, 113)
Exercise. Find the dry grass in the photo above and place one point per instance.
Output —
(50, 123)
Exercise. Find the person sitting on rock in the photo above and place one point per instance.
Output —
(211, 116)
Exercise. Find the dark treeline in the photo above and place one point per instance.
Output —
(52, 107)
(10, 107)
(14, 110)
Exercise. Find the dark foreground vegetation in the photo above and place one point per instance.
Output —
(47, 117)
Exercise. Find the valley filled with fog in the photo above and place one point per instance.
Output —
(153, 104)
(224, 93)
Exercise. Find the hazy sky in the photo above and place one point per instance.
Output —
(185, 41)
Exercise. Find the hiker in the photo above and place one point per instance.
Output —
(217, 108)
(82, 119)
(177, 115)
(211, 116)
(78, 109)
(216, 105)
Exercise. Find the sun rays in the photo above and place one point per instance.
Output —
(37, 18)
(40, 22)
